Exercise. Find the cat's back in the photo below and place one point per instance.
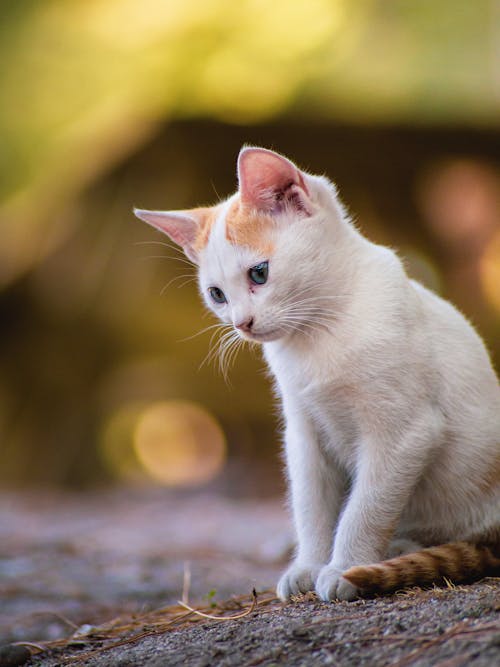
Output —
(468, 386)
(457, 346)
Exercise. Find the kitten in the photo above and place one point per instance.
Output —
(391, 404)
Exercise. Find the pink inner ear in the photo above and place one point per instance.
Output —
(264, 177)
(180, 227)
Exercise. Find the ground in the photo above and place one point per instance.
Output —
(94, 579)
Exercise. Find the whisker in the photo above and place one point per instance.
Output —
(164, 243)
(309, 309)
(301, 325)
(322, 297)
(314, 324)
(202, 331)
(234, 352)
(182, 260)
(318, 300)
(186, 282)
(176, 248)
(311, 314)
(174, 279)
(228, 347)
(295, 329)
(213, 347)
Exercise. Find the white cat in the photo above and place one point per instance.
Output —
(391, 404)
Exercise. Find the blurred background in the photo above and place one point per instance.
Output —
(107, 104)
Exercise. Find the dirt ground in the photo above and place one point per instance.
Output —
(94, 579)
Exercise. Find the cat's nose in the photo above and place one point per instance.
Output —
(245, 325)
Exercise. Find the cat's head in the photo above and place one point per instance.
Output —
(263, 253)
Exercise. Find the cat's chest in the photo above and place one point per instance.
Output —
(326, 392)
(333, 408)
(311, 375)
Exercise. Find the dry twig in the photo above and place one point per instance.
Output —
(223, 618)
(186, 582)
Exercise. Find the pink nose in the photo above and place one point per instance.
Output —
(246, 325)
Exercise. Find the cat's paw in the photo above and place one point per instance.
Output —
(299, 578)
(331, 585)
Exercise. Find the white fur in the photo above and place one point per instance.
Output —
(391, 405)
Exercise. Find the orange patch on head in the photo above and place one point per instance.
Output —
(248, 227)
(206, 218)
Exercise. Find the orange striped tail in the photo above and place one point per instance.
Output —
(457, 561)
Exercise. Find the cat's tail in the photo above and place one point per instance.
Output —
(457, 562)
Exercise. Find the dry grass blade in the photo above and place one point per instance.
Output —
(31, 645)
(212, 617)
(186, 583)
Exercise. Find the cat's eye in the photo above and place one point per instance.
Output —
(217, 294)
(258, 273)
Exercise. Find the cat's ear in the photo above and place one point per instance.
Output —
(269, 182)
(181, 226)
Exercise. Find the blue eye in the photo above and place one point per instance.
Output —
(258, 273)
(217, 295)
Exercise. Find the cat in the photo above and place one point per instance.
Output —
(391, 404)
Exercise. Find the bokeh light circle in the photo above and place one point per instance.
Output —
(489, 268)
(179, 443)
(116, 444)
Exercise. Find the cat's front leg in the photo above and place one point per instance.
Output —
(316, 488)
(385, 479)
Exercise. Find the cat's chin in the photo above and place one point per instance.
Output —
(263, 337)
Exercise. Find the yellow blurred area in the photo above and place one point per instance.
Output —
(256, 70)
(490, 272)
(176, 443)
(117, 443)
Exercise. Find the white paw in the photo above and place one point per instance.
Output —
(299, 578)
(330, 585)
